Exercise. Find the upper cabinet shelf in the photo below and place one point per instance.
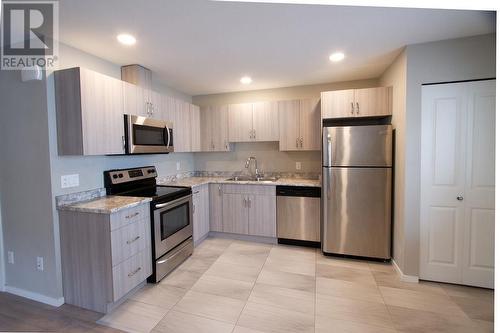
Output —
(370, 102)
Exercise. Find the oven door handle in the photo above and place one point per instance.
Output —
(186, 198)
(162, 205)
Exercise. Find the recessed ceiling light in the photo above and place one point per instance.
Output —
(337, 56)
(246, 80)
(126, 39)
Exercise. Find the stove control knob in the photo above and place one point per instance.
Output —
(120, 175)
(151, 171)
(115, 176)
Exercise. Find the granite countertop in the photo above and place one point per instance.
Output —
(197, 181)
(105, 205)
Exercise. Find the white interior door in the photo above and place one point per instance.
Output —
(457, 183)
(479, 195)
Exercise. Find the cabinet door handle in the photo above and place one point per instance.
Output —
(220, 190)
(132, 215)
(249, 202)
(254, 134)
(357, 107)
(301, 142)
(297, 143)
(250, 134)
(130, 241)
(352, 107)
(460, 198)
(134, 272)
(244, 202)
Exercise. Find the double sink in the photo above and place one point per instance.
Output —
(253, 179)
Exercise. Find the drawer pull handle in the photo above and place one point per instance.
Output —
(130, 241)
(132, 215)
(134, 272)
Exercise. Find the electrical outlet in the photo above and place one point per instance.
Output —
(10, 257)
(39, 263)
(70, 181)
(298, 165)
(178, 164)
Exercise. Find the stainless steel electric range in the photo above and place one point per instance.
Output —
(171, 215)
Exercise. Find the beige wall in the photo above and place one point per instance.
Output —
(395, 76)
(443, 61)
(268, 157)
(267, 153)
(27, 220)
(308, 91)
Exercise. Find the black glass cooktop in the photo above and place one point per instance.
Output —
(159, 192)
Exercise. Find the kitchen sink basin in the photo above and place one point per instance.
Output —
(252, 179)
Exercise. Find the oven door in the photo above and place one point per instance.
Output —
(172, 224)
(148, 135)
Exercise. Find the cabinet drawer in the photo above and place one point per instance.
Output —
(128, 240)
(249, 189)
(130, 273)
(131, 215)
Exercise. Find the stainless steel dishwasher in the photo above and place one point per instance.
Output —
(298, 215)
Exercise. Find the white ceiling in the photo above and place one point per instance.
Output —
(203, 47)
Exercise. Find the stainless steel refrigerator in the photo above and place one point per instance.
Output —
(357, 189)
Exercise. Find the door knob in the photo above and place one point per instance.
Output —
(460, 198)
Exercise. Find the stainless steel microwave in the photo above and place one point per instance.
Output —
(147, 135)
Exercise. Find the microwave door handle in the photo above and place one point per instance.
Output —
(165, 140)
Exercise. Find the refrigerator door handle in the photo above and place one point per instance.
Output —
(329, 148)
(328, 185)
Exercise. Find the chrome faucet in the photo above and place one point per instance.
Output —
(247, 164)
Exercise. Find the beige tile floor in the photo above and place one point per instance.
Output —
(242, 287)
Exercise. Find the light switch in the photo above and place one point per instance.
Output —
(178, 164)
(70, 181)
(298, 165)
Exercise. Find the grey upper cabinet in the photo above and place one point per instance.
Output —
(240, 119)
(143, 102)
(89, 108)
(214, 128)
(182, 127)
(253, 122)
(369, 102)
(265, 121)
(194, 122)
(300, 125)
(136, 100)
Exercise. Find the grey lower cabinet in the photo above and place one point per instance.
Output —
(215, 199)
(104, 256)
(201, 213)
(247, 209)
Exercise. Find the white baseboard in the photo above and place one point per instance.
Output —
(404, 277)
(35, 296)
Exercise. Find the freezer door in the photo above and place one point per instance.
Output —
(357, 145)
(356, 211)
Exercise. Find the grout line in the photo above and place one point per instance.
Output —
(253, 287)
